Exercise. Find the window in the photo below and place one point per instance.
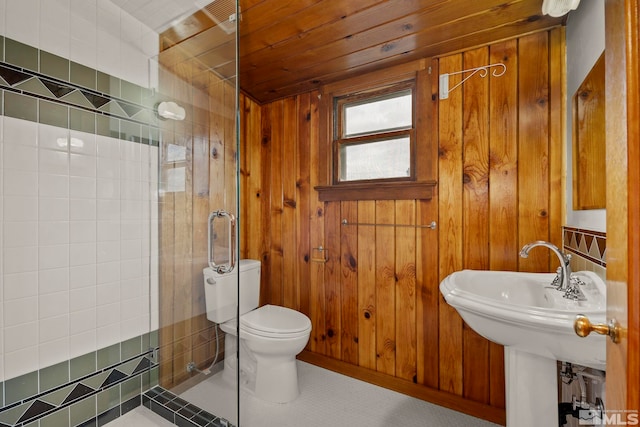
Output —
(374, 135)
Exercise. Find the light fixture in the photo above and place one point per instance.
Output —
(171, 110)
(558, 8)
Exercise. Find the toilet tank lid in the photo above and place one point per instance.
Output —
(273, 318)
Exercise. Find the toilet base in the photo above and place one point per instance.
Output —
(276, 383)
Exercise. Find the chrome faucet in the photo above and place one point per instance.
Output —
(564, 271)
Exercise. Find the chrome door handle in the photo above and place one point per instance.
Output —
(223, 268)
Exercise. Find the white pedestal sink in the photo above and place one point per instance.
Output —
(522, 312)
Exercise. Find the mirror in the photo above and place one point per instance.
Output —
(589, 191)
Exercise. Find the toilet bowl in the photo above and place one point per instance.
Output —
(270, 336)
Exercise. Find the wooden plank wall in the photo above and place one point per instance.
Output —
(372, 291)
(209, 170)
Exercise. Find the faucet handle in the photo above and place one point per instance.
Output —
(557, 281)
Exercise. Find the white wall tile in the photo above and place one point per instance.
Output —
(67, 217)
(53, 280)
(82, 276)
(81, 187)
(53, 209)
(109, 293)
(131, 249)
(54, 256)
(19, 183)
(108, 147)
(20, 233)
(83, 342)
(108, 231)
(22, 21)
(82, 143)
(20, 337)
(108, 251)
(107, 274)
(20, 311)
(20, 362)
(53, 233)
(81, 165)
(108, 210)
(82, 321)
(55, 304)
(18, 131)
(81, 254)
(53, 352)
(108, 168)
(20, 157)
(108, 188)
(82, 299)
(20, 259)
(56, 186)
(83, 232)
(20, 208)
(20, 285)
(54, 328)
(82, 209)
(53, 138)
(53, 162)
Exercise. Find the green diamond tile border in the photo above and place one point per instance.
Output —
(97, 386)
(39, 86)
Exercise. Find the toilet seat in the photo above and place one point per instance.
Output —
(275, 322)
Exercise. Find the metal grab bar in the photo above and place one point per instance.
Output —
(223, 268)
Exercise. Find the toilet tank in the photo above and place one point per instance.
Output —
(220, 290)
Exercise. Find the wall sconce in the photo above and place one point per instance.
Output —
(558, 8)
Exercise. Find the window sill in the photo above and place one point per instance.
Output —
(381, 191)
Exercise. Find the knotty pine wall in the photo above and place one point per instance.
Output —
(376, 310)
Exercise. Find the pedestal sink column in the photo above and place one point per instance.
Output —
(532, 389)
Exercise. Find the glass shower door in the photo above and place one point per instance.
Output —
(198, 209)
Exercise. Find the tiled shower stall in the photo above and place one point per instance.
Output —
(78, 204)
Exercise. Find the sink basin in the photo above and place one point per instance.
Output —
(522, 311)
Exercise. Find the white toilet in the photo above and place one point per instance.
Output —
(270, 336)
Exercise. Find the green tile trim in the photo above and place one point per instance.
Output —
(57, 419)
(82, 75)
(82, 411)
(81, 120)
(21, 387)
(131, 348)
(54, 114)
(82, 366)
(131, 92)
(54, 66)
(20, 106)
(106, 104)
(20, 54)
(108, 84)
(54, 376)
(108, 399)
(109, 356)
(131, 388)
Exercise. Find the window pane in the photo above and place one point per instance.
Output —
(376, 160)
(381, 114)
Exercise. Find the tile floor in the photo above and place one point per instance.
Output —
(326, 399)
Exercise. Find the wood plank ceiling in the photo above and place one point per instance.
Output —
(289, 47)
